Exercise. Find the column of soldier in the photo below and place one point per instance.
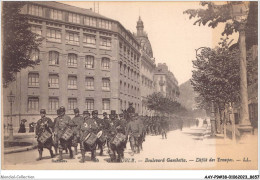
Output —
(91, 133)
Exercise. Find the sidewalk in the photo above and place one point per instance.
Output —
(22, 142)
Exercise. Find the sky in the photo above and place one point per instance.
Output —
(172, 34)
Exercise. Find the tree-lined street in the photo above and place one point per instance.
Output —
(191, 148)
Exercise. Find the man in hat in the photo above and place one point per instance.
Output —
(77, 120)
(134, 130)
(54, 137)
(44, 124)
(87, 126)
(100, 124)
(114, 128)
(62, 124)
(141, 139)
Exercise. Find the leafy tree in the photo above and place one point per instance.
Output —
(217, 75)
(158, 103)
(213, 14)
(18, 41)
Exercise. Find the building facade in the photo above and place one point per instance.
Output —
(85, 60)
(147, 66)
(165, 82)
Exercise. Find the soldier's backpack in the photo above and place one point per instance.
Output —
(44, 136)
(90, 139)
(68, 133)
(118, 139)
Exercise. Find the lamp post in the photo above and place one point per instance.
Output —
(11, 98)
(239, 13)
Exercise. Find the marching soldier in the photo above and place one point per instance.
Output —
(141, 139)
(101, 125)
(123, 123)
(77, 120)
(130, 111)
(87, 127)
(116, 130)
(134, 130)
(64, 124)
(55, 138)
(44, 133)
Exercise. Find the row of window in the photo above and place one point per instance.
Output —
(54, 58)
(69, 17)
(55, 35)
(128, 51)
(53, 82)
(129, 88)
(147, 82)
(131, 73)
(33, 104)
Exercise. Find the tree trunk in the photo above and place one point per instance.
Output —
(224, 120)
(232, 119)
(217, 114)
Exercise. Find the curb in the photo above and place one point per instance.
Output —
(20, 149)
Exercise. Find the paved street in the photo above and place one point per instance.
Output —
(188, 149)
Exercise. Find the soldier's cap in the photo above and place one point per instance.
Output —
(104, 113)
(62, 109)
(95, 112)
(42, 111)
(121, 114)
(131, 103)
(86, 112)
(113, 112)
(76, 110)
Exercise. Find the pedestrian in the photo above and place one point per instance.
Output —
(44, 133)
(32, 126)
(87, 132)
(77, 120)
(64, 132)
(181, 124)
(197, 122)
(205, 124)
(22, 126)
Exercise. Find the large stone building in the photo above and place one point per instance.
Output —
(86, 61)
(165, 82)
(147, 66)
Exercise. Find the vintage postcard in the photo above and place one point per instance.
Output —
(129, 85)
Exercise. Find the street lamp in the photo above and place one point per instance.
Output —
(11, 98)
(239, 13)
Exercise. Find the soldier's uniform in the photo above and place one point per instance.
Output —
(134, 130)
(88, 125)
(164, 125)
(62, 123)
(130, 111)
(55, 138)
(114, 128)
(44, 124)
(77, 120)
(101, 127)
(141, 139)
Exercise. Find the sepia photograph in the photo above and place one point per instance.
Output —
(130, 85)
